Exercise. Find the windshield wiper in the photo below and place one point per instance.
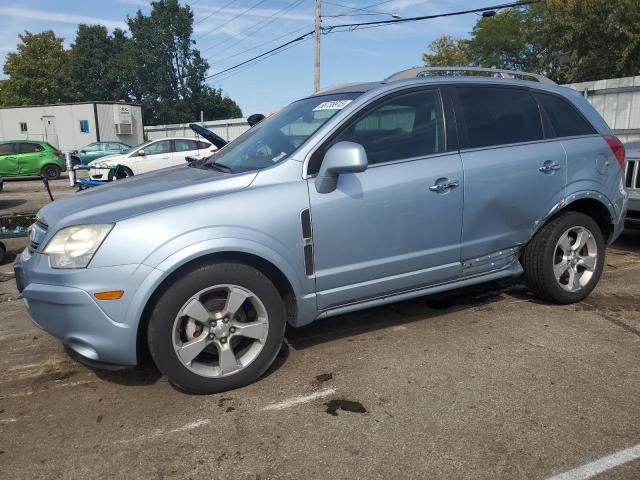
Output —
(219, 166)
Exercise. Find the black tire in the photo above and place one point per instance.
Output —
(539, 256)
(119, 173)
(3, 252)
(166, 308)
(51, 172)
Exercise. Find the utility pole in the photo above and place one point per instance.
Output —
(316, 63)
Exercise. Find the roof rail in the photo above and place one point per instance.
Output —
(425, 71)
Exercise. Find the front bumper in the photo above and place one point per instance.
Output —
(62, 303)
(100, 174)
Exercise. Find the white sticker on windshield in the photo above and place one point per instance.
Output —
(335, 105)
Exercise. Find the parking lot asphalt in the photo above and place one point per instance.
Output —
(480, 383)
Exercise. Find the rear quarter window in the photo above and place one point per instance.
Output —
(499, 116)
(6, 149)
(564, 118)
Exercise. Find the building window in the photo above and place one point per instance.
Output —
(84, 126)
(23, 127)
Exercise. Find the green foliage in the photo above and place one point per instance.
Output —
(153, 64)
(567, 40)
(447, 51)
(38, 73)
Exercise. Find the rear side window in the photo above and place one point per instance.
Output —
(499, 116)
(565, 120)
(29, 148)
(185, 145)
(6, 149)
(203, 145)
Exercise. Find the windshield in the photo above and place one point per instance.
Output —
(275, 138)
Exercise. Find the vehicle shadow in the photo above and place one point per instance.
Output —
(399, 313)
(6, 204)
(629, 241)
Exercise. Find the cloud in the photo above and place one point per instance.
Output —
(59, 17)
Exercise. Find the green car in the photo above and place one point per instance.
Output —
(30, 158)
(97, 150)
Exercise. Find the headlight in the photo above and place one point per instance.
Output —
(74, 247)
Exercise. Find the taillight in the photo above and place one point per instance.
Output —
(617, 148)
(57, 153)
(214, 150)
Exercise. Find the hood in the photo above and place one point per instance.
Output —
(217, 140)
(137, 195)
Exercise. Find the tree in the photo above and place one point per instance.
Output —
(567, 40)
(91, 56)
(447, 51)
(171, 72)
(38, 73)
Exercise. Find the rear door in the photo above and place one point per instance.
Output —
(395, 226)
(8, 160)
(184, 148)
(157, 155)
(513, 175)
(30, 158)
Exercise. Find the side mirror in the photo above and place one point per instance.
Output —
(83, 151)
(255, 119)
(141, 153)
(343, 157)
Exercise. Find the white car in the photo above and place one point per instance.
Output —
(153, 155)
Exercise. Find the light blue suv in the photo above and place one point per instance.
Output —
(357, 196)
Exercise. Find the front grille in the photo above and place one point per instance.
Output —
(632, 175)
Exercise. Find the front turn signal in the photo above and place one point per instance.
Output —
(114, 295)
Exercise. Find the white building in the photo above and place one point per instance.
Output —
(74, 125)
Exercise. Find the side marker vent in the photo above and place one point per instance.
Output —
(307, 241)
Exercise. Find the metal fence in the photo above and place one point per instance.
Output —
(227, 129)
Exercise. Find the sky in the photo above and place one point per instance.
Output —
(228, 36)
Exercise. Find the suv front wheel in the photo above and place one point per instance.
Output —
(565, 259)
(217, 327)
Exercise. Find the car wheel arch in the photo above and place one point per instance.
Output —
(265, 266)
(591, 204)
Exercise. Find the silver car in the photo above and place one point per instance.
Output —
(354, 197)
(632, 183)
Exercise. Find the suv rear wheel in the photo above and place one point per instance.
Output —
(565, 259)
(218, 327)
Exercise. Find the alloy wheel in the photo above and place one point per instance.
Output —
(220, 330)
(575, 258)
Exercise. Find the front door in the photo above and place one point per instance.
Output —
(513, 176)
(157, 155)
(396, 226)
(8, 160)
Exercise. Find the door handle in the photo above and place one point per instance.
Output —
(443, 186)
(549, 166)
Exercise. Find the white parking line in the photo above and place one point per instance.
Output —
(602, 465)
(293, 401)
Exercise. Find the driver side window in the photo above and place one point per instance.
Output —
(408, 125)
(163, 146)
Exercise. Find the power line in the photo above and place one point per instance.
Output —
(260, 2)
(270, 19)
(259, 46)
(358, 9)
(240, 70)
(354, 26)
(214, 12)
(279, 47)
